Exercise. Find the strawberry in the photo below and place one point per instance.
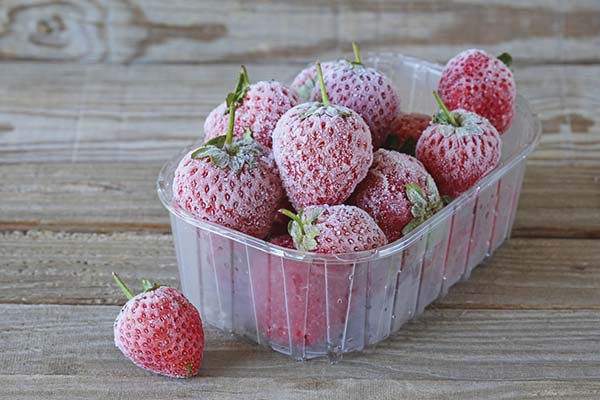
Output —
(475, 81)
(231, 182)
(306, 80)
(283, 241)
(160, 331)
(458, 149)
(405, 131)
(364, 90)
(260, 106)
(334, 229)
(398, 193)
(322, 151)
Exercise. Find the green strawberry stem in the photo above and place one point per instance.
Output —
(246, 80)
(506, 58)
(243, 79)
(322, 84)
(356, 52)
(294, 217)
(123, 287)
(448, 114)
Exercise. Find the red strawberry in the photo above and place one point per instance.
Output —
(306, 80)
(458, 149)
(364, 90)
(231, 182)
(160, 331)
(259, 109)
(405, 131)
(398, 193)
(322, 152)
(334, 229)
(475, 81)
(283, 241)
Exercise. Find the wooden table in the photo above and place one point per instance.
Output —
(96, 94)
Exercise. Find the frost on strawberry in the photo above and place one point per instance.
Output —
(160, 330)
(305, 82)
(334, 229)
(398, 193)
(364, 90)
(258, 108)
(322, 151)
(231, 181)
(458, 149)
(475, 81)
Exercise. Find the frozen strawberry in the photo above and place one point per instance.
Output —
(364, 90)
(306, 80)
(405, 131)
(280, 222)
(475, 81)
(398, 193)
(458, 149)
(322, 152)
(283, 241)
(231, 182)
(259, 108)
(334, 229)
(160, 331)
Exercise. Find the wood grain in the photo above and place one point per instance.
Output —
(187, 31)
(82, 113)
(301, 388)
(463, 345)
(75, 268)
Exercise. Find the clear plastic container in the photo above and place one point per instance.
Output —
(309, 305)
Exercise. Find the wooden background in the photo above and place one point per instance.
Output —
(96, 94)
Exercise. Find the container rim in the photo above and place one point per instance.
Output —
(165, 195)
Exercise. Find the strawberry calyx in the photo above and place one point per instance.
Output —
(301, 228)
(424, 206)
(506, 59)
(147, 286)
(457, 122)
(225, 151)
(324, 107)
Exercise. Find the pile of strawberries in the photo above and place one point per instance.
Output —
(329, 165)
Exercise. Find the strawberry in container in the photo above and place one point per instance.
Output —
(458, 149)
(231, 181)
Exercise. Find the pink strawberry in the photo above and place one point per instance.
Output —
(260, 106)
(405, 131)
(283, 241)
(334, 229)
(306, 80)
(475, 81)
(322, 152)
(398, 193)
(364, 90)
(458, 149)
(231, 182)
(160, 331)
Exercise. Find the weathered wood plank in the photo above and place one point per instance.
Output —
(124, 31)
(302, 388)
(106, 197)
(75, 268)
(442, 344)
(82, 113)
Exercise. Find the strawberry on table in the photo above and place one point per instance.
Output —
(475, 81)
(322, 151)
(364, 90)
(260, 106)
(405, 131)
(458, 149)
(398, 193)
(160, 330)
(230, 181)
